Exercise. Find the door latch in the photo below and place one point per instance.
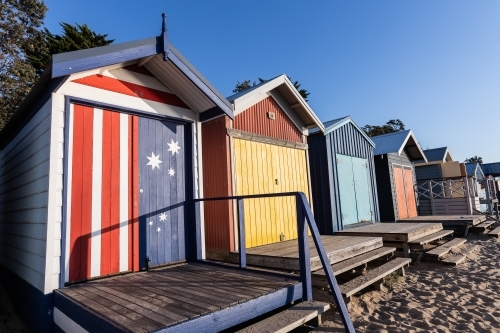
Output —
(282, 237)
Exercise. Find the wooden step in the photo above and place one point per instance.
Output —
(440, 251)
(431, 237)
(291, 318)
(495, 232)
(454, 260)
(319, 276)
(482, 227)
(373, 276)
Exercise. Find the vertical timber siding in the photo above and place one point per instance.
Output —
(24, 185)
(219, 235)
(255, 120)
(425, 172)
(346, 140)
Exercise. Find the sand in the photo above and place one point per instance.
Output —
(432, 297)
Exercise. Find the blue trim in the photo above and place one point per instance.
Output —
(304, 255)
(164, 37)
(96, 61)
(242, 251)
(86, 318)
(29, 303)
(200, 84)
(211, 114)
(229, 317)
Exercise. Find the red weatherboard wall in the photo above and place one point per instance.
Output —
(217, 183)
(255, 120)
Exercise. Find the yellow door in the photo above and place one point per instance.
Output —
(263, 168)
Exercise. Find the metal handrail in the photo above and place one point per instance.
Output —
(305, 219)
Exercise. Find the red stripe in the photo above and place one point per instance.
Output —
(131, 89)
(81, 193)
(110, 222)
(135, 190)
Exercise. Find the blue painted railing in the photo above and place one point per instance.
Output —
(305, 219)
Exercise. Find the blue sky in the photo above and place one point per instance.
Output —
(433, 64)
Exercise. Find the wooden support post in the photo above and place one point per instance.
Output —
(403, 273)
(304, 256)
(466, 229)
(431, 197)
(420, 256)
(242, 251)
(468, 196)
(406, 250)
(496, 209)
(316, 322)
(488, 197)
(197, 219)
(379, 285)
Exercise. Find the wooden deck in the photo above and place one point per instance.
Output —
(447, 220)
(394, 232)
(285, 255)
(191, 297)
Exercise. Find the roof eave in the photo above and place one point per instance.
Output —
(345, 121)
(410, 134)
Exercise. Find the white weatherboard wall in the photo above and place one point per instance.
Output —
(24, 187)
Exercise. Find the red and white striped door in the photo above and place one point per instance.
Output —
(102, 205)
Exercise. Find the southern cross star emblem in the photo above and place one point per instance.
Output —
(171, 172)
(159, 229)
(173, 147)
(150, 223)
(163, 217)
(154, 161)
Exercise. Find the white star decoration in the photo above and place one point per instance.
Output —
(163, 217)
(154, 161)
(150, 223)
(173, 147)
(159, 229)
(171, 172)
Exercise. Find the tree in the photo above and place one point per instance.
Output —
(74, 37)
(19, 24)
(247, 84)
(393, 125)
(474, 159)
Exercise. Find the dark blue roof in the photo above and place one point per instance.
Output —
(435, 154)
(492, 169)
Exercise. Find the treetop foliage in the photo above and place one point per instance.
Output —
(393, 125)
(74, 37)
(247, 84)
(474, 159)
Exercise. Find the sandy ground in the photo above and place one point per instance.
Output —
(432, 297)
(9, 323)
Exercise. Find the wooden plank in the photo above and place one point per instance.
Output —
(319, 277)
(440, 251)
(103, 311)
(454, 260)
(432, 237)
(288, 319)
(482, 227)
(350, 288)
(107, 301)
(495, 232)
(401, 232)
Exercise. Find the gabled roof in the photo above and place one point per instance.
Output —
(396, 142)
(245, 99)
(334, 124)
(472, 169)
(160, 57)
(491, 169)
(438, 154)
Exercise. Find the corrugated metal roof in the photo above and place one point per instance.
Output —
(491, 168)
(473, 169)
(396, 142)
(334, 124)
(436, 154)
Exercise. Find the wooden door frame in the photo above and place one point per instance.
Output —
(190, 219)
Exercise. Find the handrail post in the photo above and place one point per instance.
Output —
(197, 218)
(242, 251)
(431, 197)
(467, 195)
(304, 257)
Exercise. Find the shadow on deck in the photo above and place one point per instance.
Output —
(191, 297)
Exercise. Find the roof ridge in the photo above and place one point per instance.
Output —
(392, 133)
